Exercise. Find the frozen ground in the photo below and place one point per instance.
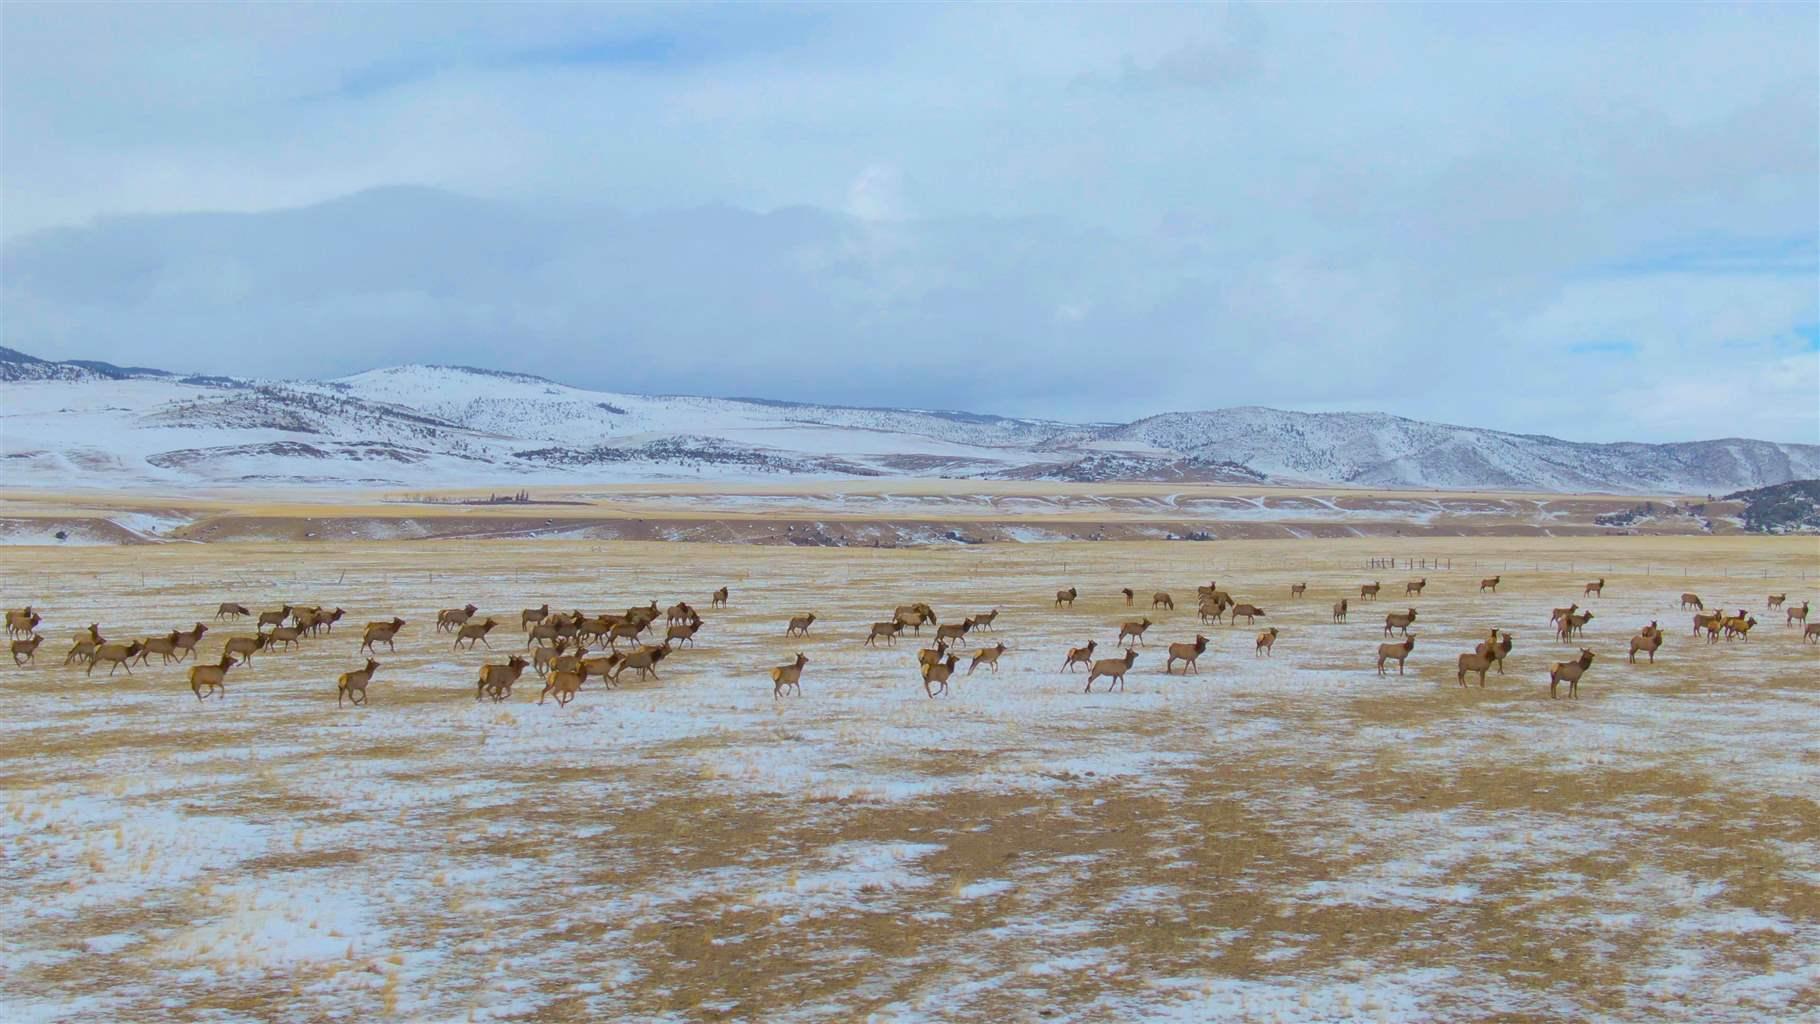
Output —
(1291, 839)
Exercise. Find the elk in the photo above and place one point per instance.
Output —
(1162, 600)
(938, 673)
(245, 646)
(496, 680)
(683, 632)
(1560, 613)
(1066, 597)
(987, 656)
(913, 616)
(1297, 590)
(286, 636)
(565, 685)
(1738, 626)
(273, 618)
(789, 677)
(1811, 634)
(546, 631)
(1573, 625)
(325, 621)
(1399, 621)
(1250, 611)
(1475, 661)
(719, 599)
(1130, 596)
(1080, 656)
(1207, 591)
(644, 659)
(353, 685)
(1496, 648)
(26, 649)
(472, 631)
(985, 621)
(888, 630)
(381, 632)
(1211, 611)
(1646, 641)
(1490, 583)
(1266, 640)
(1569, 672)
(1797, 615)
(1188, 654)
(163, 646)
(799, 625)
(953, 630)
(1595, 589)
(1415, 587)
(22, 622)
(1134, 630)
(1113, 669)
(1397, 652)
(602, 668)
(644, 613)
(543, 656)
(85, 643)
(230, 610)
(532, 616)
(450, 619)
(188, 639)
(305, 619)
(931, 655)
(1707, 620)
(120, 655)
(211, 676)
(1339, 611)
(1775, 600)
(1691, 601)
(1369, 591)
(678, 612)
(630, 629)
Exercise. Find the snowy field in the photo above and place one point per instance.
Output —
(1282, 839)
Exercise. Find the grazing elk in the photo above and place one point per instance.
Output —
(887, 630)
(1188, 654)
(1595, 589)
(799, 625)
(987, 656)
(1080, 656)
(1647, 641)
(938, 674)
(1297, 590)
(1369, 591)
(230, 610)
(163, 646)
(1130, 596)
(26, 648)
(719, 599)
(532, 616)
(1415, 587)
(452, 619)
(1797, 615)
(496, 681)
(1266, 640)
(1399, 621)
(1395, 652)
(212, 677)
(1339, 611)
(1113, 669)
(985, 621)
(1066, 597)
(1775, 600)
(353, 685)
(273, 618)
(1134, 630)
(381, 632)
(1490, 583)
(789, 677)
(474, 631)
(22, 622)
(1250, 611)
(1691, 601)
(1161, 599)
(244, 647)
(1569, 672)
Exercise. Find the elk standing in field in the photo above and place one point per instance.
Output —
(472, 631)
(230, 610)
(1647, 641)
(1560, 613)
(25, 649)
(1490, 583)
(679, 612)
(1496, 648)
(799, 625)
(888, 630)
(119, 655)
(325, 623)
(1775, 600)
(451, 619)
(1113, 669)
(85, 643)
(1399, 621)
(1066, 597)
(1569, 672)
(1266, 640)
(1130, 595)
(953, 630)
(1080, 656)
(914, 616)
(163, 646)
(353, 685)
(1250, 611)
(22, 622)
(496, 681)
(1415, 587)
(1738, 626)
(985, 621)
(1691, 601)
(244, 647)
(719, 599)
(1707, 620)
(938, 674)
(273, 618)
(1595, 588)
(1573, 625)
(214, 677)
(1212, 609)
(788, 677)
(1476, 661)
(1296, 590)
(1797, 615)
(1134, 630)
(1339, 611)
(1395, 652)
(1811, 634)
(532, 616)
(381, 632)
(683, 632)
(1187, 654)
(305, 619)
(1369, 591)
(1162, 600)
(987, 656)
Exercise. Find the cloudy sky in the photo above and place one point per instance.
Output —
(1595, 221)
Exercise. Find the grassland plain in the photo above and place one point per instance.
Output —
(1290, 838)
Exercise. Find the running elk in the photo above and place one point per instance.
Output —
(644, 659)
(213, 677)
(532, 616)
(1569, 672)
(565, 685)
(496, 681)
(353, 685)
(119, 655)
(381, 632)
(987, 656)
(84, 645)
(1134, 630)
(938, 674)
(953, 630)
(22, 622)
(887, 630)
(273, 618)
(186, 640)
(1113, 669)
(683, 632)
(1187, 654)
(799, 625)
(985, 621)
(1080, 656)
(473, 631)
(1395, 652)
(163, 646)
(451, 619)
(287, 636)
(788, 677)
(26, 649)
(931, 655)
(244, 647)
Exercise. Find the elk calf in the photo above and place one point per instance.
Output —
(987, 656)
(1266, 640)
(1188, 654)
(213, 677)
(353, 685)
(799, 625)
(1113, 669)
(1134, 630)
(788, 677)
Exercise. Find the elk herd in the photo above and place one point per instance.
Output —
(567, 649)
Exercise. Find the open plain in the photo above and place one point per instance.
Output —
(1290, 838)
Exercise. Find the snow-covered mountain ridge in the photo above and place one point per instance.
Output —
(95, 424)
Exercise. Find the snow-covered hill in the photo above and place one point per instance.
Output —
(93, 424)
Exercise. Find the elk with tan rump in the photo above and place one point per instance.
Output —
(931, 655)
(84, 644)
(1475, 661)
(1369, 591)
(532, 616)
(1595, 589)
(23, 621)
(985, 621)
(987, 656)
(1266, 640)
(1775, 600)
(938, 674)
(719, 599)
(543, 656)
(353, 685)
(799, 625)
(1648, 640)
(163, 646)
(683, 632)
(1214, 608)
(1339, 611)
(1113, 669)
(26, 648)
(244, 647)
(381, 633)
(1395, 652)
(1707, 620)
(789, 677)
(213, 677)
(1738, 627)
(1569, 672)
(187, 639)
(231, 610)
(1399, 621)
(953, 631)
(1188, 654)
(1250, 611)
(1573, 625)
(474, 631)
(1066, 597)
(1296, 590)
(887, 630)
(600, 668)
(1415, 587)
(565, 685)
(1496, 648)
(1797, 615)
(287, 636)
(1691, 601)
(1130, 595)
(914, 616)
(451, 619)
(1080, 656)
(1134, 630)
(1490, 583)
(1811, 634)
(644, 659)
(1162, 600)
(273, 618)
(496, 681)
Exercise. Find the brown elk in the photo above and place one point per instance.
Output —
(719, 599)
(1266, 640)
(1212, 610)
(643, 613)
(1395, 652)
(565, 685)
(1496, 648)
(600, 668)
(496, 681)
(1130, 595)
(1811, 634)
(451, 619)
(1797, 615)
(381, 632)
(1560, 613)
(1399, 621)
(163, 646)
(188, 639)
(285, 636)
(914, 616)
(1134, 630)
(1415, 587)
(1297, 590)
(273, 618)
(953, 630)
(213, 677)
(1250, 611)
(1066, 597)
(1475, 661)
(1595, 589)
(1188, 654)
(543, 656)
(1161, 599)
(1339, 611)
(1369, 591)
(985, 621)
(22, 622)
(1775, 600)
(545, 632)
(1647, 641)
(244, 647)
(305, 619)
(938, 674)
(1738, 626)
(789, 677)
(630, 630)
(84, 644)
(1573, 625)
(1113, 669)
(119, 655)
(887, 630)
(1707, 620)
(1691, 601)
(931, 655)
(799, 625)
(472, 631)
(644, 659)
(532, 616)
(683, 632)
(679, 612)
(26, 648)
(353, 685)
(987, 656)
(1080, 656)
(325, 621)
(230, 610)
(1569, 672)
(1490, 583)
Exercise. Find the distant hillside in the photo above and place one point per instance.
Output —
(1792, 507)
